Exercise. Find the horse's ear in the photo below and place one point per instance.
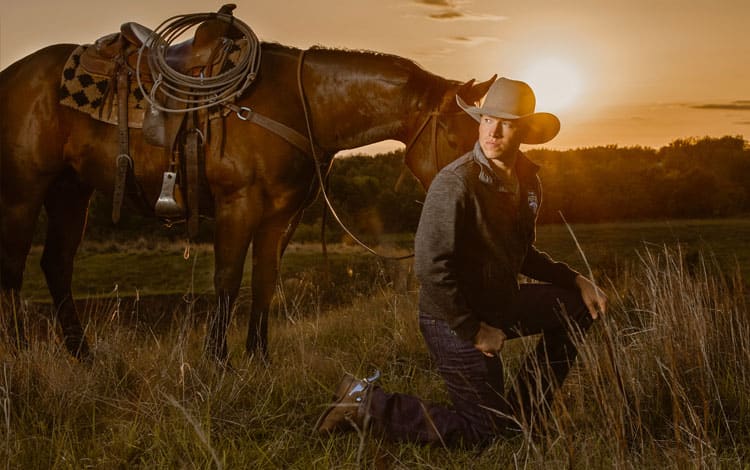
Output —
(472, 93)
(469, 92)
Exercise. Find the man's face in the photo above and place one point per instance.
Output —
(499, 138)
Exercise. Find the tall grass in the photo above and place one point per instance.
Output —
(661, 381)
(665, 377)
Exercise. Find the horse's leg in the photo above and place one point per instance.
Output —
(32, 136)
(236, 221)
(17, 223)
(268, 247)
(66, 203)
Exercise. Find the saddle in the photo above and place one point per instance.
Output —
(190, 57)
(123, 58)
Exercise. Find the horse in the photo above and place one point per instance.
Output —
(55, 157)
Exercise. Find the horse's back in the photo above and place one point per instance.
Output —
(45, 60)
(30, 137)
(31, 79)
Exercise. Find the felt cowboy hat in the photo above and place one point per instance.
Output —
(515, 100)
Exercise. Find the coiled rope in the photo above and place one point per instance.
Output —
(196, 92)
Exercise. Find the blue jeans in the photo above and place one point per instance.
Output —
(481, 408)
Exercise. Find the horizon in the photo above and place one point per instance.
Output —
(388, 147)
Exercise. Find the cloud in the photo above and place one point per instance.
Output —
(434, 53)
(437, 3)
(452, 15)
(739, 105)
(452, 10)
(470, 40)
(447, 15)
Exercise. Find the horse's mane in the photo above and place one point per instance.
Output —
(317, 47)
(406, 73)
(407, 64)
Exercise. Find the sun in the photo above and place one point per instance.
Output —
(556, 83)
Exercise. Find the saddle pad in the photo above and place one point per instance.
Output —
(96, 95)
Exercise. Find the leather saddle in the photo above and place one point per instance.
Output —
(117, 56)
(191, 57)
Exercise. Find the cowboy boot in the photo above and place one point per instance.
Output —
(350, 407)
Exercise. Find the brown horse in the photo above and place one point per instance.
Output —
(55, 157)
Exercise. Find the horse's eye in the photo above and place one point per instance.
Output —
(450, 137)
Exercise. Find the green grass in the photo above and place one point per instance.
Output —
(144, 268)
(661, 382)
(615, 245)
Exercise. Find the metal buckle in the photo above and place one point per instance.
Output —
(244, 113)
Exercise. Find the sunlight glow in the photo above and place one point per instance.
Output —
(556, 83)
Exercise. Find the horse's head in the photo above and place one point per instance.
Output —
(444, 134)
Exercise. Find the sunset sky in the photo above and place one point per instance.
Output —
(636, 72)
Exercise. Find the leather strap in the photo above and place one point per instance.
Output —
(430, 117)
(282, 130)
(191, 169)
(123, 161)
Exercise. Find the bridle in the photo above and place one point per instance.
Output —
(432, 117)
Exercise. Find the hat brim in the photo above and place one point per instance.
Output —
(541, 127)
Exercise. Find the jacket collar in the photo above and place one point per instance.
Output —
(525, 169)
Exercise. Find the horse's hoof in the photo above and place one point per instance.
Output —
(227, 367)
(257, 349)
(78, 347)
(258, 354)
(261, 356)
(86, 359)
(219, 355)
(220, 360)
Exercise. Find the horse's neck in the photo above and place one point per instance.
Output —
(362, 98)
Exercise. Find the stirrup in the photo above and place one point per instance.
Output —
(364, 384)
(373, 378)
(167, 206)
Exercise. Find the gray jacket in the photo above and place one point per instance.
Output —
(475, 235)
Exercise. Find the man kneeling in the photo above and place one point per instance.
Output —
(476, 235)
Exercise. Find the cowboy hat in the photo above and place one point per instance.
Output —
(514, 100)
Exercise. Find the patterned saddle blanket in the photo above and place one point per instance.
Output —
(96, 95)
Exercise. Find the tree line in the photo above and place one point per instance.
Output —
(689, 178)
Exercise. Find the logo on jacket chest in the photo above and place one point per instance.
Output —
(533, 201)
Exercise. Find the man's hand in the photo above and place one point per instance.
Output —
(489, 340)
(593, 297)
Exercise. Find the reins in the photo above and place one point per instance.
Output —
(431, 117)
(433, 136)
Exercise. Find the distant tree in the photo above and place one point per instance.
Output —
(691, 177)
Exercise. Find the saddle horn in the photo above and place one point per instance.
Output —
(136, 33)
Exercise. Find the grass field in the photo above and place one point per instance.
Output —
(662, 381)
(153, 268)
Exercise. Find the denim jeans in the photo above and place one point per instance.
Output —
(481, 407)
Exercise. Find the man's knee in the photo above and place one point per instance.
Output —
(483, 424)
(576, 312)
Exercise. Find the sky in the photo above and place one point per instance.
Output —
(616, 72)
